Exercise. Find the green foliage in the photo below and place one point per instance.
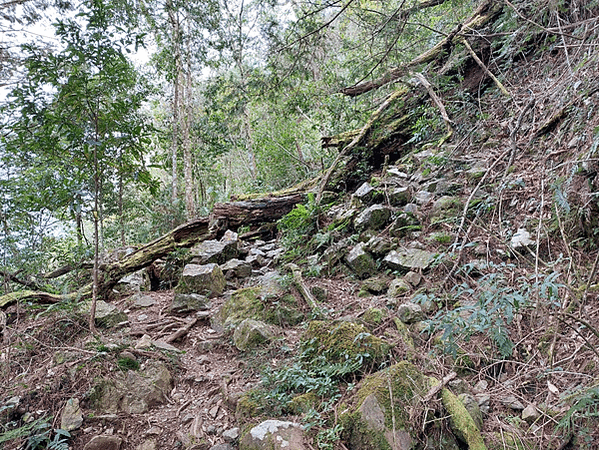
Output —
(296, 226)
(126, 364)
(39, 435)
(585, 405)
(489, 307)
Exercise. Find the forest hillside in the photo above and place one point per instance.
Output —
(308, 225)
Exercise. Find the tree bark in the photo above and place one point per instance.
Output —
(269, 209)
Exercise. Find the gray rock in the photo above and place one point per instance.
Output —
(235, 268)
(473, 409)
(134, 283)
(413, 278)
(107, 315)
(202, 279)
(274, 435)
(367, 194)
(188, 303)
(149, 444)
(521, 239)
(484, 402)
(378, 246)
(361, 262)
(400, 196)
(133, 392)
(231, 435)
(423, 197)
(165, 346)
(512, 402)
(222, 447)
(410, 313)
(409, 259)
(376, 285)
(218, 252)
(530, 414)
(251, 333)
(374, 217)
(143, 300)
(71, 417)
(104, 443)
(398, 288)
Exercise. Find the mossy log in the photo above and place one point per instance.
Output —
(183, 236)
(462, 424)
(38, 296)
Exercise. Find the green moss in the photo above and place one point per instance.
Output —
(248, 406)
(461, 422)
(374, 414)
(340, 342)
(303, 403)
(243, 304)
(373, 317)
(404, 332)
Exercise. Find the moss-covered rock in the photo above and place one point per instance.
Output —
(373, 317)
(303, 403)
(252, 333)
(344, 343)
(446, 208)
(257, 303)
(360, 261)
(248, 406)
(379, 415)
(205, 279)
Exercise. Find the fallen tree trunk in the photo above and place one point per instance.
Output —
(183, 236)
(268, 209)
(225, 215)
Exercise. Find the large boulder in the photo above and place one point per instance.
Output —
(345, 343)
(188, 303)
(274, 435)
(219, 252)
(361, 262)
(267, 302)
(252, 333)
(133, 392)
(205, 279)
(409, 259)
(379, 415)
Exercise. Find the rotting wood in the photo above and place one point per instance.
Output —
(299, 284)
(269, 209)
(358, 139)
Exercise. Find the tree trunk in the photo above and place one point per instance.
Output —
(187, 156)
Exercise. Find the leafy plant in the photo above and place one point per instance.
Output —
(490, 308)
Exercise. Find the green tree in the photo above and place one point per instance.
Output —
(76, 117)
